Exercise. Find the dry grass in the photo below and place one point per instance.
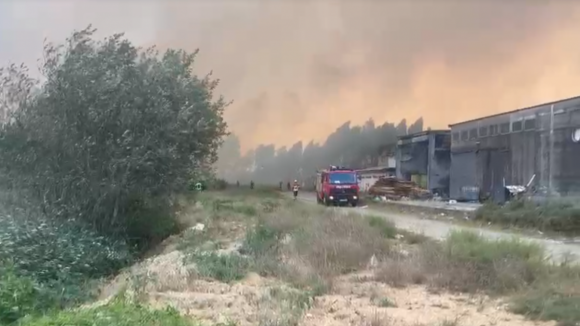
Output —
(308, 248)
(466, 262)
(311, 247)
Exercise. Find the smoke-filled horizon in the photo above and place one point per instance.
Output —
(355, 146)
(298, 69)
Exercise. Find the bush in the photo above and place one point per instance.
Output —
(113, 132)
(49, 250)
(20, 296)
(116, 313)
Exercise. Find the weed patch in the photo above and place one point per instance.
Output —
(225, 268)
(556, 215)
(385, 227)
(21, 296)
(116, 313)
(548, 306)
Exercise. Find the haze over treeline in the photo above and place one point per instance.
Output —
(349, 145)
(298, 69)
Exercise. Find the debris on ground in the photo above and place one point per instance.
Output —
(396, 189)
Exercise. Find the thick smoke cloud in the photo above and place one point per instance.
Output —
(299, 69)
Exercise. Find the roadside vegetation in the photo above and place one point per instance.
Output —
(91, 163)
(561, 216)
(300, 258)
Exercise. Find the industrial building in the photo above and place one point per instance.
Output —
(538, 145)
(424, 158)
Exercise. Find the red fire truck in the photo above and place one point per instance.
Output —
(337, 186)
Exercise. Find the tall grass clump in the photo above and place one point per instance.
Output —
(469, 262)
(21, 295)
(309, 247)
(557, 215)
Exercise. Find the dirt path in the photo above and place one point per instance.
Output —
(558, 250)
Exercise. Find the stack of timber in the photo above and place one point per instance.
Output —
(397, 189)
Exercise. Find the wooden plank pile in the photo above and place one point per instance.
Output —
(396, 189)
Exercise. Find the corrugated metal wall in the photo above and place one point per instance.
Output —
(463, 173)
(520, 153)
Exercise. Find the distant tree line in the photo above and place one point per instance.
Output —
(353, 146)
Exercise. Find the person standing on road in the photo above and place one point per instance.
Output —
(295, 189)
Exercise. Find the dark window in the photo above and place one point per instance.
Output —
(473, 133)
(483, 131)
(504, 128)
(493, 130)
(343, 178)
(442, 141)
(530, 124)
(455, 136)
(464, 135)
(517, 126)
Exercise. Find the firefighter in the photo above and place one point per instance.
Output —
(288, 185)
(295, 188)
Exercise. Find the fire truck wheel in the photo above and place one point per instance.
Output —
(354, 204)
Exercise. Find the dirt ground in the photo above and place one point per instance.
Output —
(355, 300)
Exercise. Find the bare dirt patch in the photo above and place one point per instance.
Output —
(357, 300)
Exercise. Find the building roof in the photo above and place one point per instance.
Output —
(375, 169)
(518, 110)
(425, 133)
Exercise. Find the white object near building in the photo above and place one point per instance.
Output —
(368, 177)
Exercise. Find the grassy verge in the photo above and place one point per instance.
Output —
(555, 216)
(305, 248)
(466, 262)
(309, 246)
(119, 312)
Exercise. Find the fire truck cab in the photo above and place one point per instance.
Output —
(337, 186)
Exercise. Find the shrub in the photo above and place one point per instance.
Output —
(49, 250)
(20, 296)
(112, 132)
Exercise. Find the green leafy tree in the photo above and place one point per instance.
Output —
(111, 133)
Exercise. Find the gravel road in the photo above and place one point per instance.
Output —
(557, 249)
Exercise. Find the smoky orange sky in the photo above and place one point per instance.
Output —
(297, 69)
